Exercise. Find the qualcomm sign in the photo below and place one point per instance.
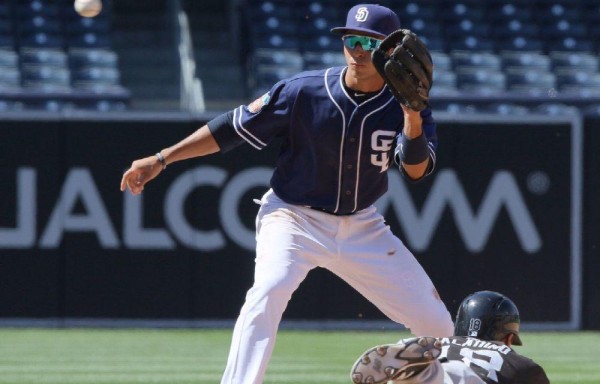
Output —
(79, 188)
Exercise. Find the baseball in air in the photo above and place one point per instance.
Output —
(88, 8)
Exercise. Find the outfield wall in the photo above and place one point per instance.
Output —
(511, 208)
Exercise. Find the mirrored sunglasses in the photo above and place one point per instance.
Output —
(367, 43)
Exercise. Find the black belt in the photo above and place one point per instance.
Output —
(330, 212)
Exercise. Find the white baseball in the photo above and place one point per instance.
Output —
(88, 8)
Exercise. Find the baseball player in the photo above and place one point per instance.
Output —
(480, 352)
(341, 129)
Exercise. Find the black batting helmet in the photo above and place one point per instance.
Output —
(488, 315)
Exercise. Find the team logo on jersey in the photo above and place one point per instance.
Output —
(381, 141)
(259, 103)
(361, 14)
(474, 327)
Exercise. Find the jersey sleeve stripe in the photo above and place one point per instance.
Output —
(432, 156)
(432, 153)
(243, 132)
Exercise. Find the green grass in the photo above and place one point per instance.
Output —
(84, 356)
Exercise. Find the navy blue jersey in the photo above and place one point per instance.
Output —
(492, 361)
(335, 151)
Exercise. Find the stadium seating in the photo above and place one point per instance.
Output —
(538, 48)
(51, 58)
(528, 80)
(268, 66)
(9, 68)
(531, 60)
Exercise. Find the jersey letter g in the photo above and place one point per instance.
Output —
(381, 141)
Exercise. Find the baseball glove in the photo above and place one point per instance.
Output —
(407, 69)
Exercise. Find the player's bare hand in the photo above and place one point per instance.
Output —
(412, 122)
(409, 112)
(140, 173)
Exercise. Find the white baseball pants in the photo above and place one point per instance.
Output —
(359, 248)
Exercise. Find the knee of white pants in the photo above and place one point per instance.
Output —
(438, 324)
(271, 292)
(434, 320)
(268, 297)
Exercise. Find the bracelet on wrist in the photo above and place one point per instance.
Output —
(162, 160)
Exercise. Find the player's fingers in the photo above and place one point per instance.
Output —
(134, 186)
(133, 180)
(124, 180)
(127, 177)
(140, 172)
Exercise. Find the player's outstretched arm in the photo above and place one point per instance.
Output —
(199, 143)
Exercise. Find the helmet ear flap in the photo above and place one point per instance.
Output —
(465, 324)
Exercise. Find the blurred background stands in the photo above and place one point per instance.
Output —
(504, 56)
(488, 55)
(53, 59)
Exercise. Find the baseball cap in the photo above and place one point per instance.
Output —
(371, 19)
